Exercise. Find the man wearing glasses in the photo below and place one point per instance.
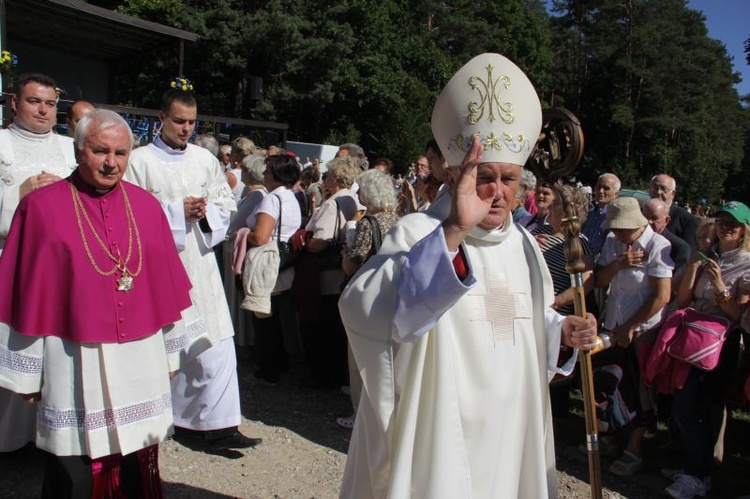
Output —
(682, 224)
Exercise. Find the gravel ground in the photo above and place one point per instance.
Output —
(304, 452)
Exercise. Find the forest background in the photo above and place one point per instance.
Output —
(653, 92)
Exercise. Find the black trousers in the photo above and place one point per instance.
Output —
(326, 345)
(270, 354)
(71, 477)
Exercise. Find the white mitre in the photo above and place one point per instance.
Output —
(490, 97)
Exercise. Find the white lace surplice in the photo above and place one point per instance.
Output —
(97, 398)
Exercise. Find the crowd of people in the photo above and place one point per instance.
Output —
(439, 301)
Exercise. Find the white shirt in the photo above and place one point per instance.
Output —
(291, 217)
(239, 187)
(630, 288)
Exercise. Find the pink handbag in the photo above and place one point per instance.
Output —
(700, 338)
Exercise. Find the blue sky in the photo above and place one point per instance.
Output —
(727, 21)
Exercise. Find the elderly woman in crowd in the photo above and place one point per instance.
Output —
(253, 167)
(636, 265)
(378, 194)
(241, 147)
(717, 284)
(209, 142)
(277, 217)
(319, 279)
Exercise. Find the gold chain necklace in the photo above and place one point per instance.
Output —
(125, 282)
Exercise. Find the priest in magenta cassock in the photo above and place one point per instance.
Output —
(451, 324)
(90, 282)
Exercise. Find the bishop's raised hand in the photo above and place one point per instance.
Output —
(467, 208)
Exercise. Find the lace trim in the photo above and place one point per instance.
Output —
(192, 331)
(110, 417)
(20, 363)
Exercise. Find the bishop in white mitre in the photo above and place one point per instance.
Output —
(451, 325)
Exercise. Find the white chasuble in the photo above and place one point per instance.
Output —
(455, 400)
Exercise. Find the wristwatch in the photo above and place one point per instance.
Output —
(724, 296)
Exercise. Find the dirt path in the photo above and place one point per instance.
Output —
(303, 455)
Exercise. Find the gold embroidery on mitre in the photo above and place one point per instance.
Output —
(493, 142)
(490, 99)
(462, 142)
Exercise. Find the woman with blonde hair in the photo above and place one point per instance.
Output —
(241, 147)
(716, 283)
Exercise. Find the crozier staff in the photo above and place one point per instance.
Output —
(451, 325)
(85, 316)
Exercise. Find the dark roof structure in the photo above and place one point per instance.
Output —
(78, 29)
(72, 26)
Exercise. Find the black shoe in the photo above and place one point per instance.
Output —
(185, 434)
(234, 441)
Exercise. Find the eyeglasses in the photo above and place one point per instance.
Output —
(662, 188)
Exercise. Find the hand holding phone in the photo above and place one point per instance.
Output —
(703, 257)
(706, 257)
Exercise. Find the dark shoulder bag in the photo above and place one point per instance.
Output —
(287, 257)
(330, 258)
(377, 239)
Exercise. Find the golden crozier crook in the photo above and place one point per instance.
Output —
(125, 282)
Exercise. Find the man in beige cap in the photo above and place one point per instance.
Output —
(451, 324)
(636, 265)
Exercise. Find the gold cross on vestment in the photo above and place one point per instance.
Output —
(500, 307)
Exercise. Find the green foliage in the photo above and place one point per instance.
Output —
(653, 92)
(355, 70)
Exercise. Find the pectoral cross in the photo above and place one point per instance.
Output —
(500, 307)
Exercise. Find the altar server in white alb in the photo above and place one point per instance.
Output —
(451, 324)
(31, 156)
(191, 186)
